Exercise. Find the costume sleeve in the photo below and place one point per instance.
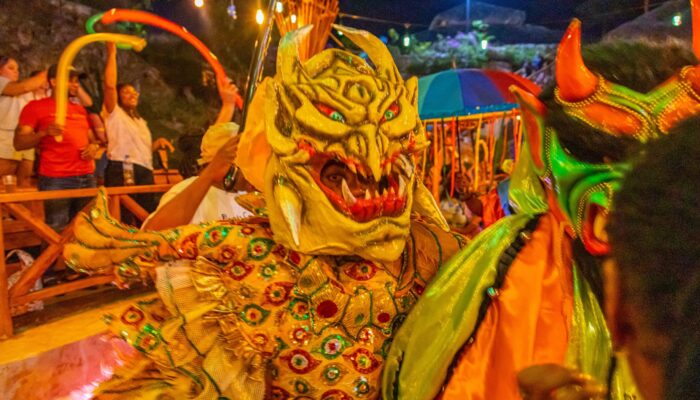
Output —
(445, 315)
(103, 245)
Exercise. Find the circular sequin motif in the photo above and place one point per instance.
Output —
(326, 309)
(300, 361)
(260, 339)
(268, 270)
(238, 270)
(188, 246)
(301, 386)
(254, 315)
(246, 231)
(361, 386)
(363, 361)
(333, 346)
(332, 373)
(361, 271)
(259, 248)
(299, 309)
(300, 336)
(148, 339)
(216, 235)
(227, 253)
(132, 316)
(278, 292)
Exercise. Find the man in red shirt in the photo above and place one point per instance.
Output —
(67, 164)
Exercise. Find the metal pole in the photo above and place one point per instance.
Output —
(257, 63)
(469, 16)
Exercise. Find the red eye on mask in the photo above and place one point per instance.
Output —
(390, 113)
(330, 112)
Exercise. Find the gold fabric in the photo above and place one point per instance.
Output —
(252, 319)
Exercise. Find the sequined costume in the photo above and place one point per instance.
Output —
(524, 291)
(301, 304)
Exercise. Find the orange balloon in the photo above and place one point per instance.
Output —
(143, 17)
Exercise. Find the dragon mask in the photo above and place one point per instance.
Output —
(580, 192)
(342, 133)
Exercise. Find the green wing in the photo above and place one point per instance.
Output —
(446, 315)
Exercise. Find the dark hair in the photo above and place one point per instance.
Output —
(4, 59)
(123, 85)
(639, 66)
(189, 145)
(653, 230)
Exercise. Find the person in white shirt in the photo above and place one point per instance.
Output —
(14, 95)
(129, 141)
(202, 198)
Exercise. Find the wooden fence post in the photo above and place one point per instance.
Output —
(5, 317)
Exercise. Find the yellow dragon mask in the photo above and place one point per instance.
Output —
(338, 111)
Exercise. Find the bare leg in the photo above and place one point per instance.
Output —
(24, 173)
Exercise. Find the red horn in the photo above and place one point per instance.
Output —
(695, 12)
(574, 80)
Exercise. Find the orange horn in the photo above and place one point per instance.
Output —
(695, 12)
(574, 80)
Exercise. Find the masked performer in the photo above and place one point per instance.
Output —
(302, 304)
(528, 290)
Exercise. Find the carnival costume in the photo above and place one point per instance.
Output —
(519, 294)
(302, 304)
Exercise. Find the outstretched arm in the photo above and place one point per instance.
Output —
(181, 208)
(110, 78)
(26, 85)
(227, 92)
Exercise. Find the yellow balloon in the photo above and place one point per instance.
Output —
(64, 63)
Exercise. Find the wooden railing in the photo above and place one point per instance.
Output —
(25, 207)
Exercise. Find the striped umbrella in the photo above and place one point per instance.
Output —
(460, 92)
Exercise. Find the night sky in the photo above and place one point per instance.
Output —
(551, 13)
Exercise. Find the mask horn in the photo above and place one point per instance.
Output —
(376, 51)
(695, 12)
(288, 52)
(574, 80)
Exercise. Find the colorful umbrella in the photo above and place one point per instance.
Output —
(459, 92)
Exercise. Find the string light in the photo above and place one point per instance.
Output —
(293, 18)
(484, 44)
(279, 7)
(199, 3)
(259, 17)
(677, 20)
(231, 10)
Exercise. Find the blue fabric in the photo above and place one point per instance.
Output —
(503, 190)
(60, 212)
(458, 93)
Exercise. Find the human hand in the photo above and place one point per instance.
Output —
(228, 92)
(89, 152)
(53, 130)
(222, 161)
(162, 143)
(557, 382)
